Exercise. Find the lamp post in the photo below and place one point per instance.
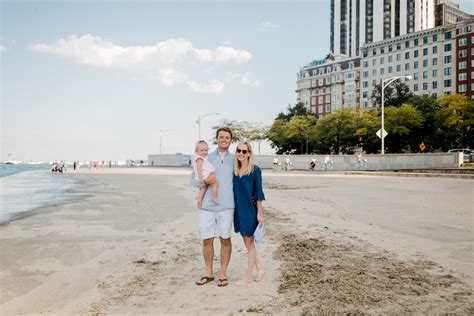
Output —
(385, 83)
(161, 137)
(199, 121)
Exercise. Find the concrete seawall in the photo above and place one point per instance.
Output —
(340, 162)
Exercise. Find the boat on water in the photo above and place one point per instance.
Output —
(11, 162)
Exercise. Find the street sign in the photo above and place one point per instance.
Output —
(384, 133)
(422, 146)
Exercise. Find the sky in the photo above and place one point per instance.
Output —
(116, 80)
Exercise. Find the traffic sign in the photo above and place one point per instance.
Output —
(384, 133)
(422, 146)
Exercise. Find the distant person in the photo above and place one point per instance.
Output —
(276, 163)
(74, 165)
(220, 216)
(202, 170)
(248, 197)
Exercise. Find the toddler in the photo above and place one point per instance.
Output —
(202, 170)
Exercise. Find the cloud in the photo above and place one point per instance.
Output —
(246, 79)
(268, 26)
(163, 59)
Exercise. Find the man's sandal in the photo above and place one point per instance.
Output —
(222, 282)
(204, 280)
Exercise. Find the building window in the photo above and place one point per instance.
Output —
(365, 53)
(390, 58)
(415, 87)
(416, 76)
(425, 40)
(415, 65)
(463, 42)
(382, 60)
(447, 83)
(365, 94)
(399, 46)
(448, 47)
(462, 88)
(382, 50)
(425, 74)
(365, 74)
(328, 98)
(434, 84)
(435, 38)
(390, 47)
(374, 62)
(448, 71)
(374, 72)
(435, 49)
(382, 71)
(407, 55)
(425, 51)
(390, 69)
(462, 64)
(407, 44)
(399, 68)
(365, 84)
(472, 51)
(328, 108)
(416, 53)
(320, 109)
(425, 63)
(462, 76)
(447, 59)
(320, 99)
(472, 74)
(447, 35)
(407, 66)
(434, 73)
(399, 57)
(365, 64)
(463, 53)
(425, 86)
(374, 51)
(435, 61)
(374, 83)
(415, 42)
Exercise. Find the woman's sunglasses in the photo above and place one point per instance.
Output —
(243, 151)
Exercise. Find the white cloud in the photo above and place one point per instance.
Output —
(246, 79)
(164, 58)
(268, 26)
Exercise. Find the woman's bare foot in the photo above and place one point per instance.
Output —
(243, 282)
(260, 274)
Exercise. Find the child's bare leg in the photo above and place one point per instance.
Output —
(202, 191)
(213, 189)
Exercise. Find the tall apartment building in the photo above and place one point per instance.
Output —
(465, 58)
(448, 12)
(439, 60)
(329, 84)
(356, 22)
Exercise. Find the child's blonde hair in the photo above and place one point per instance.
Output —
(200, 143)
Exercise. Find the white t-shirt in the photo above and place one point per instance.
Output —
(207, 167)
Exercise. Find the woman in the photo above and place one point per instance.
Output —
(248, 197)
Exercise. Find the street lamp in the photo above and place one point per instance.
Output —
(199, 121)
(385, 83)
(161, 136)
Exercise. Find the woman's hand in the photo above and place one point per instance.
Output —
(260, 218)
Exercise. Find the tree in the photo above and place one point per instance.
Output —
(428, 133)
(337, 132)
(395, 94)
(277, 136)
(245, 131)
(400, 123)
(298, 109)
(298, 130)
(367, 123)
(456, 119)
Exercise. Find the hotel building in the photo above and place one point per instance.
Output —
(329, 84)
(465, 58)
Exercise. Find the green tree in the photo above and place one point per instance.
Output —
(367, 123)
(395, 94)
(337, 132)
(400, 123)
(298, 109)
(428, 133)
(456, 119)
(298, 131)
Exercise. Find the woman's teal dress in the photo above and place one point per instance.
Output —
(247, 190)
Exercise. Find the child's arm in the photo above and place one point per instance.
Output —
(199, 163)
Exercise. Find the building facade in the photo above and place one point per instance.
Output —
(465, 58)
(329, 84)
(356, 22)
(448, 12)
(428, 56)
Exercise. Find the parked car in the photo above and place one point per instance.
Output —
(468, 155)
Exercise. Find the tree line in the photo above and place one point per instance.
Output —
(437, 123)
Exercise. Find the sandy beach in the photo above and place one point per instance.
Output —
(335, 244)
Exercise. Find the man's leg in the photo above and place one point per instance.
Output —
(226, 251)
(224, 223)
(208, 254)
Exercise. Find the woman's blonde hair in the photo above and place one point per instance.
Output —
(237, 163)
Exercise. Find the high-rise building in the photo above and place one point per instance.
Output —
(356, 22)
(329, 84)
(465, 58)
(448, 12)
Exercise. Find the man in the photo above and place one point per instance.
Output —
(218, 216)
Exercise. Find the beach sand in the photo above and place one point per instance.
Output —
(335, 244)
